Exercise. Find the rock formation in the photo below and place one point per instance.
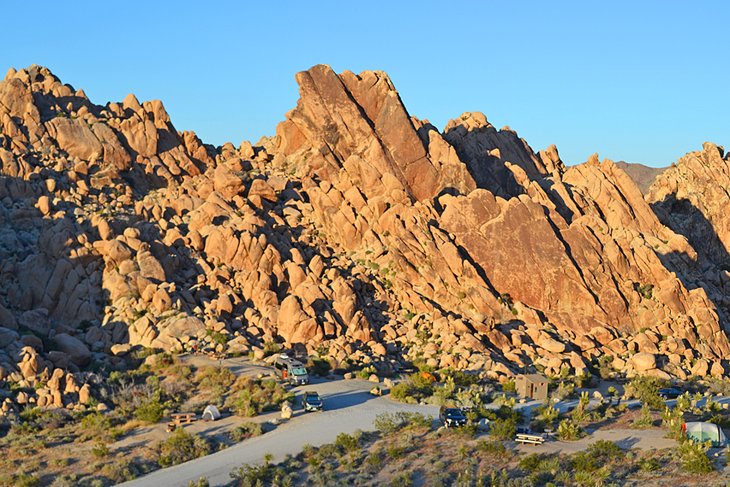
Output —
(358, 231)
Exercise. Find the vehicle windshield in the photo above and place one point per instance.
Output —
(299, 371)
(454, 413)
(313, 397)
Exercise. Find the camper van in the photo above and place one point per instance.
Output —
(291, 370)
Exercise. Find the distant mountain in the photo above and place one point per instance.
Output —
(642, 175)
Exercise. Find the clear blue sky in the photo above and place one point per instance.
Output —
(638, 81)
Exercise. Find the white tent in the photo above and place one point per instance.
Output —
(211, 413)
(702, 432)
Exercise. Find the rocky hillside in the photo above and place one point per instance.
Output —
(358, 231)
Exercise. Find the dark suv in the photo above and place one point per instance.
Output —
(312, 402)
(451, 417)
(670, 392)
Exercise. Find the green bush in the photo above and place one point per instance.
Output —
(366, 372)
(509, 386)
(181, 447)
(214, 377)
(493, 448)
(673, 419)
(646, 389)
(374, 462)
(260, 475)
(250, 397)
(122, 470)
(693, 457)
(100, 450)
(503, 428)
(150, 411)
(649, 465)
(271, 348)
(245, 431)
(541, 467)
(416, 388)
(604, 452)
(320, 367)
(348, 443)
(569, 431)
(388, 423)
(22, 480)
(645, 419)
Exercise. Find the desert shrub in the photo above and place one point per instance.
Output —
(250, 396)
(214, 377)
(366, 372)
(394, 451)
(509, 386)
(604, 452)
(564, 390)
(693, 457)
(503, 428)
(645, 419)
(569, 431)
(493, 448)
(649, 465)
(122, 471)
(23, 480)
(542, 468)
(547, 414)
(319, 366)
(580, 413)
(673, 419)
(100, 450)
(260, 475)
(416, 388)
(181, 447)
(270, 348)
(246, 430)
(404, 479)
(646, 389)
(605, 366)
(180, 371)
(201, 482)
(374, 462)
(388, 423)
(150, 411)
(348, 443)
(217, 337)
(460, 377)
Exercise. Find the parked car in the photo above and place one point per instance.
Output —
(312, 402)
(451, 417)
(670, 392)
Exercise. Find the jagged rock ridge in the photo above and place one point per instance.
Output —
(358, 231)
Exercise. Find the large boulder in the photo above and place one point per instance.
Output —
(643, 361)
(77, 351)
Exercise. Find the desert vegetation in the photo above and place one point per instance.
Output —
(61, 447)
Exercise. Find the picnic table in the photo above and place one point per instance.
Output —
(179, 419)
(530, 439)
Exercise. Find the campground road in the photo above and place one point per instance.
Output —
(348, 407)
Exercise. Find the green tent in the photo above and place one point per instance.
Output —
(702, 432)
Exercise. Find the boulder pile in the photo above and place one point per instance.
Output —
(357, 231)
